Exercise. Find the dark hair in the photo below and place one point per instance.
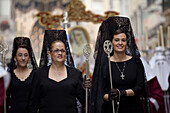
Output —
(22, 46)
(119, 31)
(55, 42)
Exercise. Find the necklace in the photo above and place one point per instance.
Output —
(122, 75)
(57, 74)
(22, 76)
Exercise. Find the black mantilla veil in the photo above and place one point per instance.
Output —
(106, 30)
(49, 37)
(23, 42)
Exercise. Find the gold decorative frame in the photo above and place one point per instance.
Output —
(76, 12)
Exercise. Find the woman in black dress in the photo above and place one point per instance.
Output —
(21, 75)
(57, 85)
(127, 71)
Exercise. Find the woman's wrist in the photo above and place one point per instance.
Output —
(123, 93)
(106, 97)
(130, 92)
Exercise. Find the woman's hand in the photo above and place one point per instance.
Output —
(115, 93)
(86, 82)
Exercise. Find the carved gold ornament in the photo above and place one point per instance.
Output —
(76, 12)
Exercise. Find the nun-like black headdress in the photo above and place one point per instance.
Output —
(23, 42)
(49, 37)
(106, 31)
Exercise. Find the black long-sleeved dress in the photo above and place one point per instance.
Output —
(18, 93)
(49, 96)
(134, 79)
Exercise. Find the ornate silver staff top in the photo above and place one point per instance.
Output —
(3, 51)
(65, 23)
(87, 51)
(108, 47)
(3, 48)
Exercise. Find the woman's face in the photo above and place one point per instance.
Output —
(22, 57)
(58, 52)
(119, 42)
(78, 35)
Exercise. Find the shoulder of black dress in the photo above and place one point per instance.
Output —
(138, 60)
(42, 69)
(73, 69)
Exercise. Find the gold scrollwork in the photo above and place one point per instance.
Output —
(76, 12)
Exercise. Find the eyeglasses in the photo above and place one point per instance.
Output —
(57, 50)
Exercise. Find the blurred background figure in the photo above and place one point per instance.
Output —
(4, 83)
(161, 68)
(154, 90)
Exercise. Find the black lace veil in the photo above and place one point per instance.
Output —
(106, 30)
(25, 43)
(49, 37)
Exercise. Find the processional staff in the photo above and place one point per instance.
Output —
(108, 48)
(86, 52)
(65, 18)
(3, 51)
(65, 23)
